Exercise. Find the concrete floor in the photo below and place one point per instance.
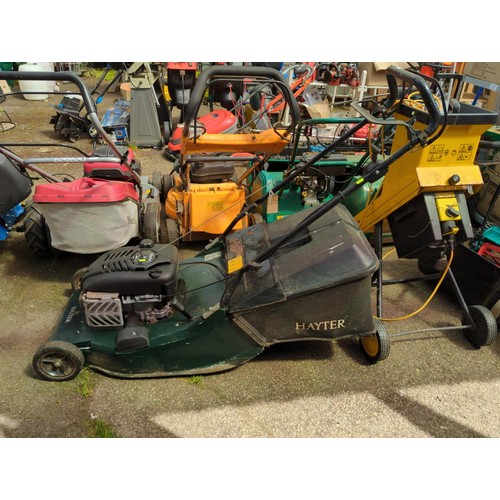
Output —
(433, 384)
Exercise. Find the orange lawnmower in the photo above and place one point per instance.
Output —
(202, 192)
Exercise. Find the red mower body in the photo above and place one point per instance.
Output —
(216, 122)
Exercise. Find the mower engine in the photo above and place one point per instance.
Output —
(130, 286)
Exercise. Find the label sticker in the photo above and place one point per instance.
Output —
(212, 256)
(215, 206)
(465, 152)
(235, 264)
(436, 153)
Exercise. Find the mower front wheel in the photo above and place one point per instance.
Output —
(58, 361)
(484, 330)
(376, 347)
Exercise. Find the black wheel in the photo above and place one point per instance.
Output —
(496, 313)
(166, 186)
(484, 331)
(151, 222)
(376, 347)
(155, 180)
(58, 361)
(36, 232)
(173, 234)
(76, 280)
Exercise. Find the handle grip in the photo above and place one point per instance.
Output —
(53, 76)
(394, 72)
(237, 71)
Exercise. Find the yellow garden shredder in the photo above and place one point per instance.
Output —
(423, 195)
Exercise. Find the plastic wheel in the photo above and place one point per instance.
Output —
(76, 280)
(376, 347)
(151, 222)
(36, 232)
(58, 361)
(172, 232)
(484, 331)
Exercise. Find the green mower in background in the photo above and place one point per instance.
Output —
(319, 183)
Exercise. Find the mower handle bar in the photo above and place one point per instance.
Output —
(198, 91)
(394, 72)
(66, 76)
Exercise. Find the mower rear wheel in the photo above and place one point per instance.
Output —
(58, 361)
(376, 347)
(173, 234)
(484, 331)
(36, 232)
(151, 222)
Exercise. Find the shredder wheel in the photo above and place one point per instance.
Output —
(376, 347)
(484, 331)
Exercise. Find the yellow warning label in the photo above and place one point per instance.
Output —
(235, 264)
(215, 206)
(436, 152)
(465, 152)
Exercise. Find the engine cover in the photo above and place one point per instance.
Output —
(145, 269)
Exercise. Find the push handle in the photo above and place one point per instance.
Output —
(53, 76)
(394, 72)
(88, 102)
(237, 71)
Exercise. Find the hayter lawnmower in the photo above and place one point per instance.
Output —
(202, 195)
(139, 312)
(105, 209)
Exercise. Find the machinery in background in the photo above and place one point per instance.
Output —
(203, 193)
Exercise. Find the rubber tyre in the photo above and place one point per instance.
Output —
(172, 232)
(151, 222)
(36, 232)
(485, 331)
(76, 280)
(156, 180)
(426, 265)
(166, 186)
(58, 361)
(376, 347)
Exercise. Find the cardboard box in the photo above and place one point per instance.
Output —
(375, 71)
(5, 87)
(492, 179)
(126, 91)
(487, 71)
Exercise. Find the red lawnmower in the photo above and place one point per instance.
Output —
(110, 205)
